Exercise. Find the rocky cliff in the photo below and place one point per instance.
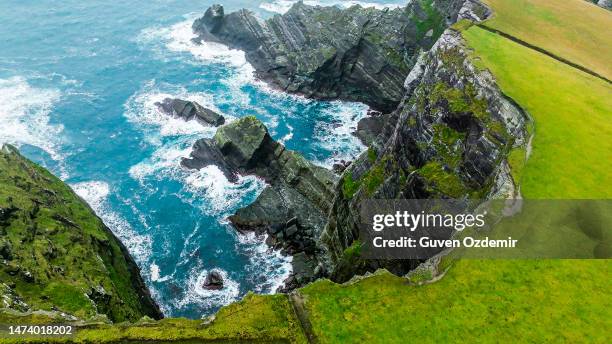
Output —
(57, 256)
(358, 54)
(454, 130)
(607, 4)
(447, 133)
(292, 209)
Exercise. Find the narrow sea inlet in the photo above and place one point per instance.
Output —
(78, 87)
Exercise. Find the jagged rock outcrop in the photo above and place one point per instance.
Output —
(57, 255)
(453, 132)
(358, 54)
(189, 110)
(292, 209)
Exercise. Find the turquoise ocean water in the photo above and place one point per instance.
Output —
(78, 83)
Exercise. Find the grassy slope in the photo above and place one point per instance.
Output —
(255, 319)
(573, 29)
(55, 250)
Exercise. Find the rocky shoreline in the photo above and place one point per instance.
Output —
(293, 207)
(356, 54)
(439, 128)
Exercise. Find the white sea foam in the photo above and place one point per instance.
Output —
(276, 266)
(222, 195)
(24, 114)
(196, 293)
(155, 274)
(96, 193)
(142, 110)
(282, 6)
(337, 136)
(163, 163)
(179, 38)
(288, 136)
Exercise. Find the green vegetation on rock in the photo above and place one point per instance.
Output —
(255, 319)
(57, 254)
(441, 180)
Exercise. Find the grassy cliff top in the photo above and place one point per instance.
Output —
(56, 254)
(255, 319)
(572, 29)
(571, 149)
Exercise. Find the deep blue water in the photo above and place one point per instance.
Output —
(78, 83)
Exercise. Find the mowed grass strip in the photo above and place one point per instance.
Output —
(575, 30)
(571, 151)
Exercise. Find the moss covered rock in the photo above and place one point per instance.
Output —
(57, 255)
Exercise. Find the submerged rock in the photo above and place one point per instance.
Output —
(213, 281)
(189, 110)
(358, 54)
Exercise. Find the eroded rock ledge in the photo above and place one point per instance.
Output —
(357, 54)
(445, 131)
(292, 209)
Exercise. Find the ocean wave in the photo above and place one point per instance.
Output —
(178, 38)
(282, 6)
(264, 261)
(196, 293)
(222, 196)
(96, 193)
(24, 113)
(141, 110)
(165, 162)
(336, 134)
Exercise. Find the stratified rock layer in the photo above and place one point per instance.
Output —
(358, 54)
(292, 209)
(453, 132)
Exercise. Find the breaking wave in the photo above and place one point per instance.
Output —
(24, 113)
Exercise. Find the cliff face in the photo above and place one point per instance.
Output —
(446, 130)
(453, 132)
(57, 255)
(358, 54)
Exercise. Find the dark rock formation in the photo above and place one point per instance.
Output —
(293, 208)
(453, 131)
(358, 54)
(189, 110)
(213, 281)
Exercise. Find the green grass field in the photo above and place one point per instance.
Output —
(255, 319)
(572, 149)
(503, 301)
(576, 30)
